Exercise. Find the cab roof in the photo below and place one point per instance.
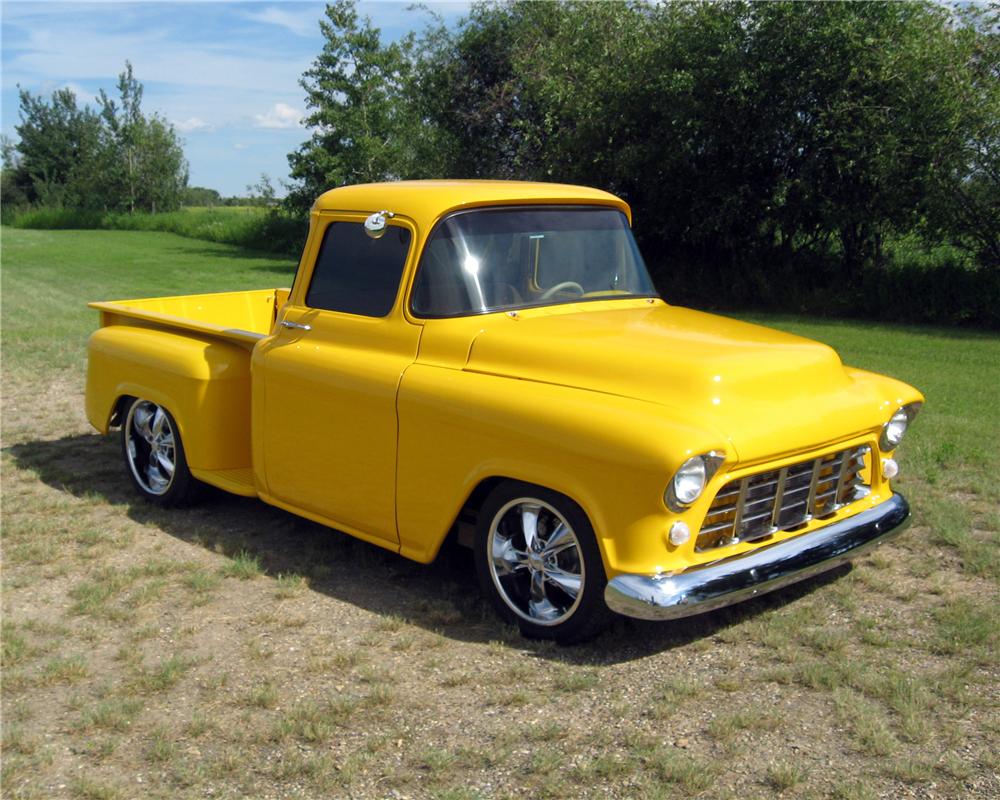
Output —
(426, 201)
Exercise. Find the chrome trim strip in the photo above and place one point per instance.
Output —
(758, 571)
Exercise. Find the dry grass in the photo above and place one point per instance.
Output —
(236, 649)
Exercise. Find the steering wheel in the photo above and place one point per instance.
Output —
(560, 287)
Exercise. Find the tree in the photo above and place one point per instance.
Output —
(144, 165)
(58, 140)
(200, 196)
(123, 125)
(964, 204)
(13, 186)
(161, 171)
(115, 159)
(361, 124)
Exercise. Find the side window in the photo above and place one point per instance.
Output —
(355, 273)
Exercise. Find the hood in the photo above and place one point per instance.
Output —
(762, 391)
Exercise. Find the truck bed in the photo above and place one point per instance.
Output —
(191, 355)
(243, 317)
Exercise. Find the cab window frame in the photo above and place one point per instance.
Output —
(400, 280)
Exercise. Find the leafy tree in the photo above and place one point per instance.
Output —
(473, 94)
(162, 170)
(200, 196)
(115, 159)
(57, 142)
(144, 164)
(760, 140)
(964, 205)
(123, 125)
(868, 96)
(361, 127)
(13, 186)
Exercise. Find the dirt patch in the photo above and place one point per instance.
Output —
(233, 650)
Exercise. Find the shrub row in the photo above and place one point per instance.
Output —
(939, 287)
(267, 230)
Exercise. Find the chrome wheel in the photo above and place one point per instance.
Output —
(535, 561)
(150, 447)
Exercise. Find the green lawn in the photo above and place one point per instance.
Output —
(50, 276)
(236, 650)
(954, 441)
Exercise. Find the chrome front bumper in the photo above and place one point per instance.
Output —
(759, 571)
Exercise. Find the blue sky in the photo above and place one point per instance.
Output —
(225, 73)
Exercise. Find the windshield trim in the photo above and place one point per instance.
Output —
(526, 306)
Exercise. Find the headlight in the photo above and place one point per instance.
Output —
(894, 430)
(689, 481)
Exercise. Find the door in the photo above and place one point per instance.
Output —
(329, 378)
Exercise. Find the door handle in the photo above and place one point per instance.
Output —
(296, 325)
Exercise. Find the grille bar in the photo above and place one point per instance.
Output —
(757, 506)
(813, 483)
(779, 496)
(741, 502)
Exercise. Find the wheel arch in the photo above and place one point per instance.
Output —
(464, 517)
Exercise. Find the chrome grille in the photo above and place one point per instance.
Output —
(752, 508)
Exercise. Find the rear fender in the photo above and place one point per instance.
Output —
(203, 382)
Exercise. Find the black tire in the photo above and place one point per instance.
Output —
(150, 441)
(535, 590)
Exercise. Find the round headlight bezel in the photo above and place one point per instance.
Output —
(689, 481)
(894, 431)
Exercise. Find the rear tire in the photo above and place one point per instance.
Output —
(538, 561)
(154, 454)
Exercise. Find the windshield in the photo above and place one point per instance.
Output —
(502, 259)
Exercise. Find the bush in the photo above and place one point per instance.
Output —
(916, 283)
(943, 294)
(268, 230)
(57, 219)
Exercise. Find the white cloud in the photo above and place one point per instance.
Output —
(192, 124)
(91, 54)
(303, 23)
(240, 146)
(281, 115)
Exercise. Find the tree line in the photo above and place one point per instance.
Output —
(835, 157)
(114, 158)
(776, 153)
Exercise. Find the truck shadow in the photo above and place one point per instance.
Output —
(443, 597)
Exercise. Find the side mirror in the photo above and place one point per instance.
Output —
(376, 224)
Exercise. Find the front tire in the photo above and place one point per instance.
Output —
(537, 559)
(154, 454)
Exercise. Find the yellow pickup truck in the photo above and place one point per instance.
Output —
(490, 360)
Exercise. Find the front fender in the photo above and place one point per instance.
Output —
(612, 455)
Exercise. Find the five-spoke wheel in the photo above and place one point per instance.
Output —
(538, 559)
(154, 454)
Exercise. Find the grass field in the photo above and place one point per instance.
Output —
(232, 650)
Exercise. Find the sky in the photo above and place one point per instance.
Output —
(226, 74)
